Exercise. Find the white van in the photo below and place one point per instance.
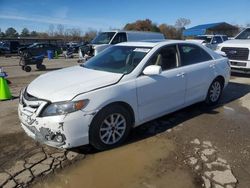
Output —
(108, 38)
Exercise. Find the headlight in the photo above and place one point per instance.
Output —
(21, 97)
(61, 108)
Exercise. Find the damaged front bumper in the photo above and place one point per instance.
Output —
(62, 131)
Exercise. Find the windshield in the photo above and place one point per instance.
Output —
(244, 35)
(117, 59)
(103, 38)
(207, 39)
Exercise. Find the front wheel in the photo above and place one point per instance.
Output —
(110, 127)
(214, 92)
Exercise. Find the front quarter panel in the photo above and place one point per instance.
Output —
(120, 92)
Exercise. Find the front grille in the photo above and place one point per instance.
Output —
(240, 64)
(236, 53)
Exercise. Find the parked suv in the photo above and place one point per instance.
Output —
(237, 50)
(37, 49)
(212, 41)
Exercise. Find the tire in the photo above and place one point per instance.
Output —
(111, 135)
(214, 92)
(41, 67)
(27, 68)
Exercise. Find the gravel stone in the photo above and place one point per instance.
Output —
(207, 183)
(196, 141)
(48, 161)
(222, 177)
(218, 186)
(24, 177)
(36, 158)
(208, 152)
(58, 155)
(3, 178)
(207, 144)
(10, 184)
(71, 155)
(193, 160)
(38, 169)
(18, 167)
(204, 158)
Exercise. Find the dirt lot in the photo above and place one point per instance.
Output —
(194, 147)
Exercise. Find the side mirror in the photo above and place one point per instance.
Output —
(214, 42)
(152, 70)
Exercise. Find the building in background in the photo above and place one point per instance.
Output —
(221, 28)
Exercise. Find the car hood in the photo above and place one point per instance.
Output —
(236, 43)
(65, 84)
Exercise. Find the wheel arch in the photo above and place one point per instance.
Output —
(125, 105)
(221, 78)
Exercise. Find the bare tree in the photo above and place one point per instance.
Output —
(89, 35)
(51, 30)
(182, 22)
(60, 30)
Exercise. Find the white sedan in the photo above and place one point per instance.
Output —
(125, 86)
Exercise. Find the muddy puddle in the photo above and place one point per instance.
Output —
(145, 163)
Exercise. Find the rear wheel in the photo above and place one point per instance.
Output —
(214, 92)
(27, 68)
(110, 127)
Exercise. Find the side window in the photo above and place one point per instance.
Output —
(217, 40)
(166, 57)
(120, 37)
(191, 54)
(225, 38)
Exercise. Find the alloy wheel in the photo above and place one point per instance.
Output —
(112, 128)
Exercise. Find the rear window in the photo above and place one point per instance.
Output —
(192, 54)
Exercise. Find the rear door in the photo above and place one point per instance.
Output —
(199, 69)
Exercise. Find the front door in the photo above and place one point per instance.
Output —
(163, 93)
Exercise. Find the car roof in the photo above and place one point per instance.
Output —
(151, 44)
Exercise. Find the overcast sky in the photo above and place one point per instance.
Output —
(105, 14)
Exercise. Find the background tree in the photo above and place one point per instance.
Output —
(75, 34)
(25, 32)
(60, 30)
(11, 32)
(33, 34)
(89, 35)
(1, 34)
(142, 25)
(51, 30)
(170, 32)
(182, 22)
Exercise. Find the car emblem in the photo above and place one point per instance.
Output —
(233, 52)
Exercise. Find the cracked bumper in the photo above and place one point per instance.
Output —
(73, 128)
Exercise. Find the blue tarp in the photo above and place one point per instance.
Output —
(200, 29)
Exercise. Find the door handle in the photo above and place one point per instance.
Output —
(181, 74)
(212, 65)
